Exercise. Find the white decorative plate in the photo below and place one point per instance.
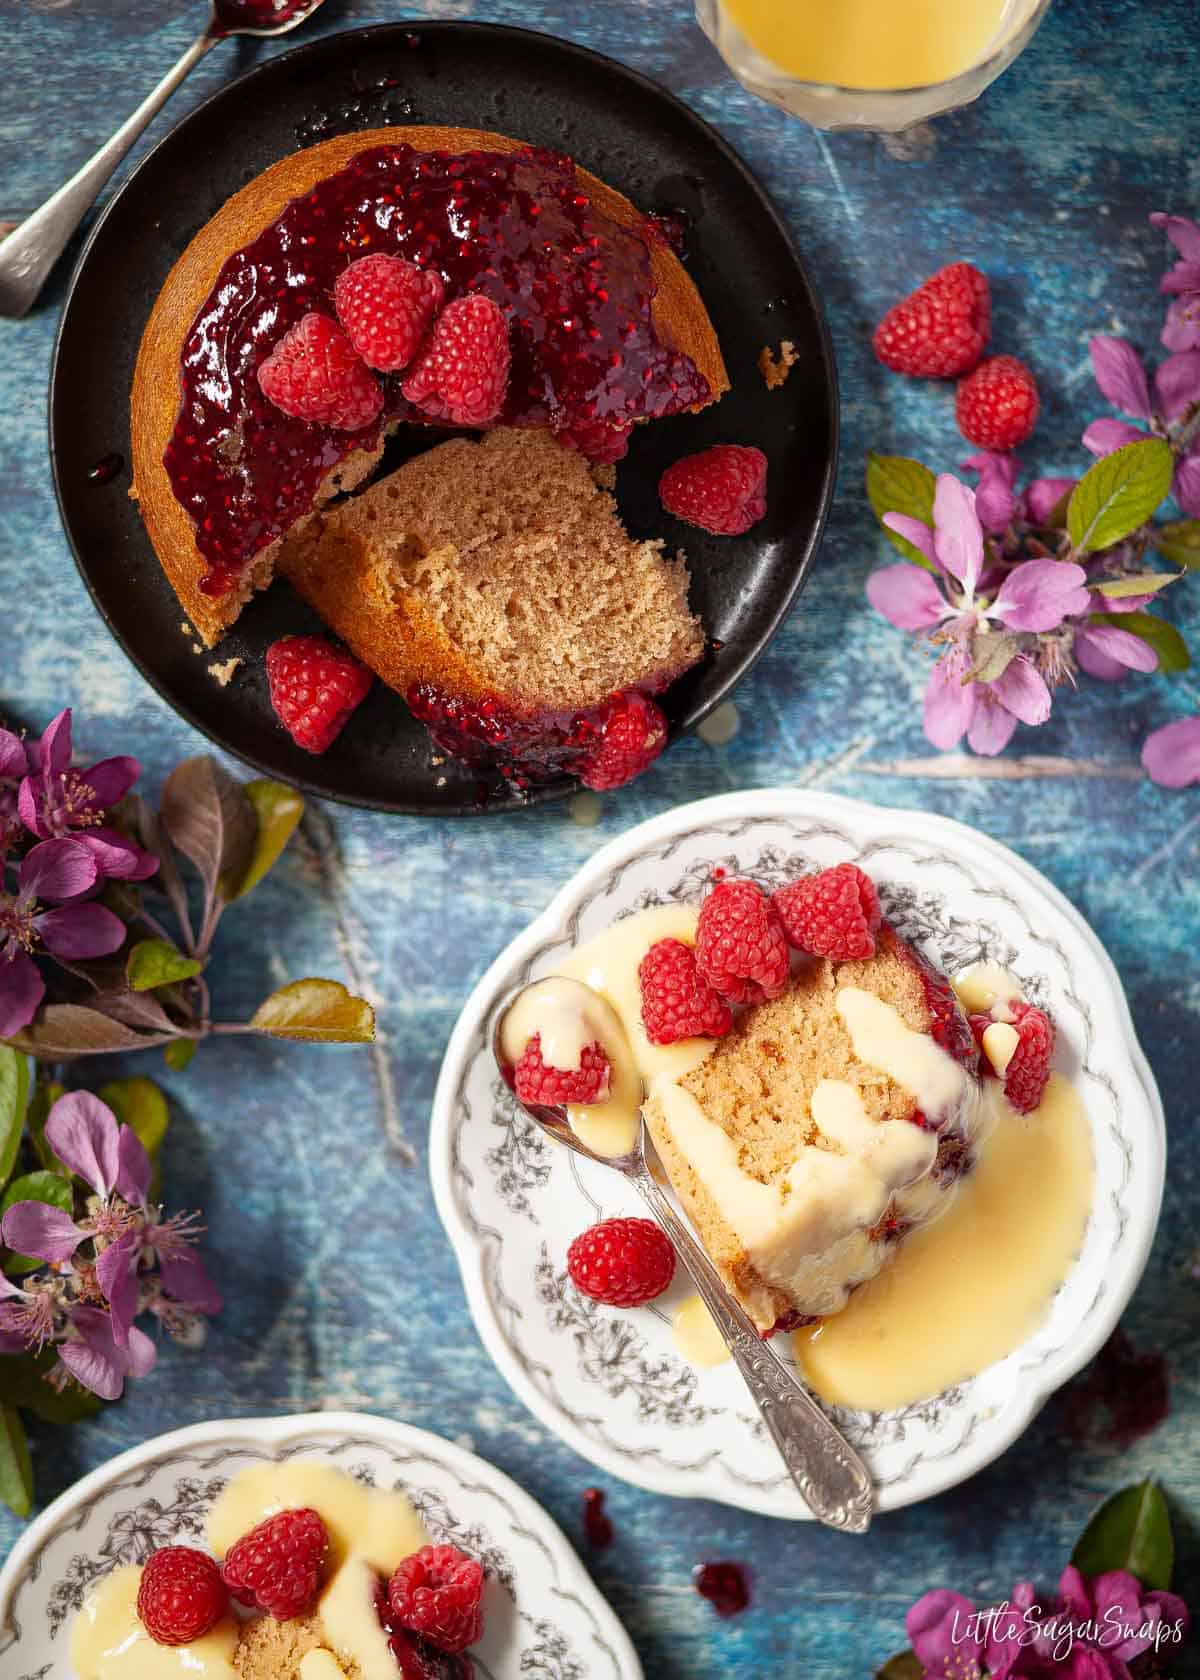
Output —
(544, 1616)
(610, 1383)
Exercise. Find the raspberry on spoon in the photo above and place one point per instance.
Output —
(542, 1085)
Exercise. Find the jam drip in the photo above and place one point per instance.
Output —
(577, 289)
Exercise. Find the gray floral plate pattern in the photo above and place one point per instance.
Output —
(610, 1383)
(545, 1619)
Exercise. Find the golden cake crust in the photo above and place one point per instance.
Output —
(680, 319)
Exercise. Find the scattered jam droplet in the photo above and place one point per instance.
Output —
(1122, 1396)
(597, 1524)
(724, 1585)
(106, 469)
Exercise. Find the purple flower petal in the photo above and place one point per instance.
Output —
(116, 1276)
(1120, 375)
(116, 857)
(1090, 657)
(1022, 690)
(111, 780)
(957, 535)
(29, 809)
(133, 1168)
(21, 991)
(995, 498)
(83, 1133)
(1128, 650)
(38, 1228)
(1076, 1599)
(142, 1353)
(185, 1280)
(1039, 594)
(949, 702)
(1103, 436)
(1183, 233)
(13, 764)
(1186, 485)
(1177, 383)
(992, 726)
(1181, 329)
(93, 1357)
(906, 596)
(57, 870)
(1171, 755)
(914, 531)
(53, 751)
(1118, 1601)
(80, 930)
(1183, 278)
(1042, 496)
(939, 1629)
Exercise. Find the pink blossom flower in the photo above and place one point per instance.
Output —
(55, 801)
(1169, 410)
(1035, 596)
(1171, 755)
(56, 872)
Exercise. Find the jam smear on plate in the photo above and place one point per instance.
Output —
(597, 1524)
(724, 1585)
(576, 287)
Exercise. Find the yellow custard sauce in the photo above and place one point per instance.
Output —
(964, 1291)
(370, 1532)
(870, 43)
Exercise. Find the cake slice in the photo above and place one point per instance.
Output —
(605, 329)
(829, 1121)
(493, 585)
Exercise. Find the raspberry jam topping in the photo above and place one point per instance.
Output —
(575, 287)
(597, 1524)
(257, 14)
(724, 1585)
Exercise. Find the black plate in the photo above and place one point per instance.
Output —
(618, 124)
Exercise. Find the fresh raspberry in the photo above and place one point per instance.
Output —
(621, 1262)
(1027, 1073)
(314, 688)
(948, 1024)
(277, 1566)
(722, 489)
(543, 1086)
(386, 305)
(941, 329)
(676, 1002)
(832, 914)
(437, 1593)
(314, 373)
(632, 733)
(997, 406)
(741, 949)
(181, 1595)
(598, 440)
(462, 373)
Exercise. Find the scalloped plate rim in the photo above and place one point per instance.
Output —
(277, 1431)
(471, 1254)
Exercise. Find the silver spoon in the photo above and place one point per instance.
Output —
(32, 249)
(830, 1476)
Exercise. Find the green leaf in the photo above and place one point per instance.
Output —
(277, 810)
(905, 1665)
(209, 819)
(41, 1186)
(139, 1103)
(322, 1010)
(896, 484)
(1179, 542)
(14, 1098)
(43, 1100)
(23, 1383)
(179, 1054)
(1118, 494)
(1166, 641)
(16, 1472)
(1147, 583)
(156, 962)
(1132, 1531)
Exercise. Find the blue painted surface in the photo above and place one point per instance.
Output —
(342, 1289)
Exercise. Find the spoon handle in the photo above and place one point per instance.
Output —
(32, 249)
(831, 1477)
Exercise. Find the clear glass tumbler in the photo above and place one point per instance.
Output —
(884, 110)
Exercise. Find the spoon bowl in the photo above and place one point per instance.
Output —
(828, 1473)
(262, 18)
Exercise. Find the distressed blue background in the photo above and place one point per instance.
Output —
(310, 1164)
